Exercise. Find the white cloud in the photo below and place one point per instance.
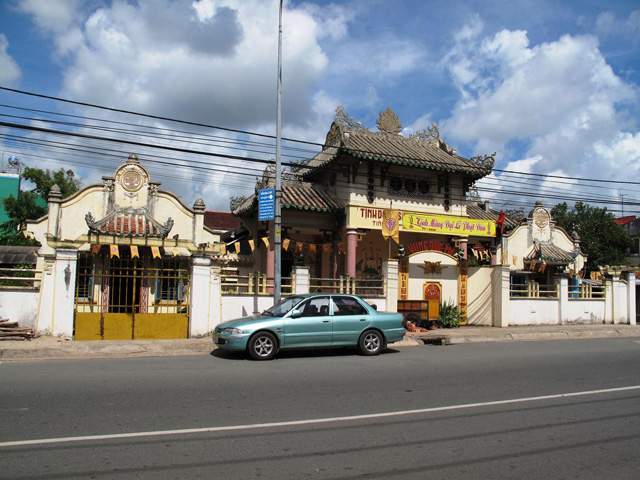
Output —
(53, 15)
(209, 61)
(9, 69)
(561, 99)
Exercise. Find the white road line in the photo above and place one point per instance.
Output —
(188, 431)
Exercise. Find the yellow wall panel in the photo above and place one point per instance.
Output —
(150, 326)
(87, 326)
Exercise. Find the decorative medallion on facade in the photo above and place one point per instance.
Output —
(388, 122)
(540, 224)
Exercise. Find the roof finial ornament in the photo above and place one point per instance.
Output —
(388, 122)
(133, 158)
(347, 121)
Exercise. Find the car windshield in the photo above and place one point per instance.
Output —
(283, 307)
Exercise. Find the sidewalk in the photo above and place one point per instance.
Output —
(51, 347)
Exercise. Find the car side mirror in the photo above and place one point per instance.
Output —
(296, 314)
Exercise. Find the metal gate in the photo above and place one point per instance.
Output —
(129, 297)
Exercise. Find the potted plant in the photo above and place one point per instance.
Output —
(449, 316)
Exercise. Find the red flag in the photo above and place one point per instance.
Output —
(500, 221)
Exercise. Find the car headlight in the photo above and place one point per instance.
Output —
(232, 331)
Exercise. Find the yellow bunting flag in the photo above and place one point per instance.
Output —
(114, 251)
(532, 267)
(155, 252)
(543, 267)
(391, 225)
(341, 247)
(514, 259)
(326, 247)
(175, 251)
(236, 246)
(134, 251)
(298, 246)
(252, 244)
(95, 248)
(223, 249)
(571, 273)
(285, 243)
(266, 241)
(312, 247)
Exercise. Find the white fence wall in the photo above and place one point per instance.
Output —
(533, 312)
(19, 306)
(585, 311)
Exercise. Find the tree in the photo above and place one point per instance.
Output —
(24, 208)
(45, 179)
(602, 239)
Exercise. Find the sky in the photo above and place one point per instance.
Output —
(552, 87)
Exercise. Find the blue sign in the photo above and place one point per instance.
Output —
(267, 204)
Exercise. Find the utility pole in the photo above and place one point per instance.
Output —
(277, 280)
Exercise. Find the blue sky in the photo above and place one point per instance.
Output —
(551, 86)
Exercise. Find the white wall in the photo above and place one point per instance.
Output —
(533, 312)
(584, 311)
(19, 306)
(479, 299)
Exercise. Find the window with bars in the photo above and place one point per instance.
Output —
(172, 282)
(85, 278)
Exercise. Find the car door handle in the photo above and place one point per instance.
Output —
(363, 319)
(326, 321)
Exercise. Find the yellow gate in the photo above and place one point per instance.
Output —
(125, 297)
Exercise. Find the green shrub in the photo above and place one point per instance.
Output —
(449, 316)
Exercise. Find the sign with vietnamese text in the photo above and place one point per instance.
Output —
(266, 204)
(448, 225)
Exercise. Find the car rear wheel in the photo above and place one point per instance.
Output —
(262, 346)
(371, 342)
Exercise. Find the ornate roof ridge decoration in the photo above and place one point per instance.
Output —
(388, 122)
(431, 133)
(345, 120)
(542, 252)
(487, 161)
(129, 222)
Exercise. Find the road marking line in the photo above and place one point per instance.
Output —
(254, 426)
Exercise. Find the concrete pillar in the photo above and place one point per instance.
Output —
(390, 272)
(500, 296)
(203, 301)
(44, 314)
(608, 300)
(352, 247)
(198, 221)
(631, 297)
(302, 279)
(56, 313)
(55, 198)
(563, 300)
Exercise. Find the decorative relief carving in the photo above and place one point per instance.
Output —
(432, 267)
(486, 161)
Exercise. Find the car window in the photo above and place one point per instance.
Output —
(347, 306)
(315, 307)
(283, 307)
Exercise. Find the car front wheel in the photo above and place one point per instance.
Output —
(262, 346)
(371, 342)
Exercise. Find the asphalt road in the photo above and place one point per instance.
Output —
(534, 410)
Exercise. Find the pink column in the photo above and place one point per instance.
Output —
(352, 245)
(271, 268)
(463, 246)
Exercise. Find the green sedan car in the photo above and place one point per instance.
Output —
(311, 320)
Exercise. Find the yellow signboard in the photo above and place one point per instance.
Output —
(373, 218)
(419, 222)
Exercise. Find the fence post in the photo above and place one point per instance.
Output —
(390, 284)
(562, 293)
(250, 285)
(302, 280)
(340, 285)
(293, 282)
